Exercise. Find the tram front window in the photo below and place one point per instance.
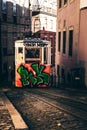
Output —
(20, 50)
(32, 53)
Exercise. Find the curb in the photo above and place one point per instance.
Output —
(15, 116)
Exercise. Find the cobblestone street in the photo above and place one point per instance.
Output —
(41, 116)
(43, 64)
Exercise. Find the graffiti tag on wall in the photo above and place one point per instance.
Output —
(34, 75)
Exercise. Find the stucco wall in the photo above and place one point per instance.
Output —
(69, 13)
(83, 3)
(83, 42)
(83, 36)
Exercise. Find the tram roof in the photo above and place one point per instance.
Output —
(32, 40)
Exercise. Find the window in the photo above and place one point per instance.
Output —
(51, 39)
(4, 5)
(36, 25)
(70, 42)
(65, 1)
(46, 22)
(51, 24)
(58, 70)
(32, 53)
(60, 3)
(4, 17)
(23, 8)
(64, 42)
(23, 11)
(5, 51)
(59, 40)
(20, 50)
(45, 55)
(14, 12)
(64, 24)
(48, 10)
(14, 7)
(4, 39)
(15, 19)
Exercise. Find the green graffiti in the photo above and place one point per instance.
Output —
(24, 75)
(27, 77)
(41, 76)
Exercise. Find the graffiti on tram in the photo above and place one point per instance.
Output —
(34, 74)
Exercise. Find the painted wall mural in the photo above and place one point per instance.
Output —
(32, 75)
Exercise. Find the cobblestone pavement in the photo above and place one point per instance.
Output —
(41, 116)
(76, 94)
(5, 119)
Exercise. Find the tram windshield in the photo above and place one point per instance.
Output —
(32, 53)
(32, 50)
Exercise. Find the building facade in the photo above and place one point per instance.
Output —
(44, 23)
(70, 52)
(14, 24)
(83, 38)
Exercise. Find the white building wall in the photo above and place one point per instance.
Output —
(46, 17)
(83, 4)
(44, 3)
(46, 21)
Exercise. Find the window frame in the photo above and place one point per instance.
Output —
(70, 51)
(14, 7)
(59, 41)
(65, 2)
(64, 42)
(60, 4)
(4, 6)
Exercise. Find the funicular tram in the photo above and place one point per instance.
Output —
(32, 63)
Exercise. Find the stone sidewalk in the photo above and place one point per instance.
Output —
(10, 119)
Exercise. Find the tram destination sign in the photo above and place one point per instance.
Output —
(39, 43)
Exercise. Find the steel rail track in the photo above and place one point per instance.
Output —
(65, 97)
(80, 114)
